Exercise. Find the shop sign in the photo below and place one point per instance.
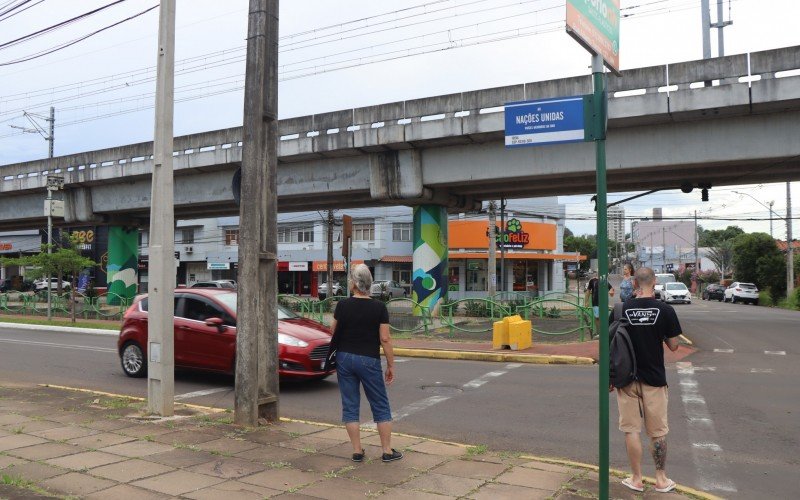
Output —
(298, 266)
(218, 266)
(6, 246)
(512, 237)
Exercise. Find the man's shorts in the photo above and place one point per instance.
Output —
(596, 310)
(639, 401)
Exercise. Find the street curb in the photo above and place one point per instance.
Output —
(555, 461)
(537, 359)
(64, 329)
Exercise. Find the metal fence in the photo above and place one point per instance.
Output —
(107, 306)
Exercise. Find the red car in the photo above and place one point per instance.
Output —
(205, 336)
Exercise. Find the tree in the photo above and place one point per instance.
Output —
(713, 237)
(568, 232)
(63, 261)
(757, 259)
(585, 245)
(722, 257)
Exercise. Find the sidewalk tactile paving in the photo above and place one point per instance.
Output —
(75, 483)
(228, 468)
(178, 482)
(45, 450)
(137, 448)
(85, 460)
(282, 479)
(130, 470)
(336, 488)
(442, 484)
(470, 469)
(497, 491)
(19, 441)
(233, 490)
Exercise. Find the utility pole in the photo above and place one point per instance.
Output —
(502, 245)
(664, 249)
(789, 246)
(54, 183)
(492, 249)
(720, 25)
(256, 390)
(51, 136)
(38, 129)
(705, 18)
(770, 219)
(161, 286)
(329, 292)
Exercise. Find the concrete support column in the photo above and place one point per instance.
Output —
(429, 281)
(123, 263)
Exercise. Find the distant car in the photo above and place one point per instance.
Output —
(675, 293)
(41, 284)
(387, 289)
(741, 292)
(714, 292)
(229, 284)
(205, 336)
(322, 290)
(661, 280)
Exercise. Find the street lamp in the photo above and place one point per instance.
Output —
(54, 183)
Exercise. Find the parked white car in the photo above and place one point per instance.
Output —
(322, 290)
(385, 289)
(661, 280)
(741, 292)
(676, 292)
(41, 284)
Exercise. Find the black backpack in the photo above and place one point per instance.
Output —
(622, 358)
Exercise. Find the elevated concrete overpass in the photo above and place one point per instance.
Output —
(448, 150)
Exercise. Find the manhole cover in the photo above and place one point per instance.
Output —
(440, 389)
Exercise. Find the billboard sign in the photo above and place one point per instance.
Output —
(595, 25)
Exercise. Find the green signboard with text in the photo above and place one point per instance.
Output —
(595, 25)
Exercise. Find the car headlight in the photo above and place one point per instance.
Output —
(291, 341)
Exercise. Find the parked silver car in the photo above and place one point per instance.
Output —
(741, 292)
(322, 290)
(387, 289)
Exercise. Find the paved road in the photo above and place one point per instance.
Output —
(734, 410)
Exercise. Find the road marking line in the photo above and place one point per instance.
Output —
(197, 394)
(762, 370)
(726, 351)
(776, 353)
(705, 368)
(511, 366)
(59, 346)
(396, 360)
(706, 453)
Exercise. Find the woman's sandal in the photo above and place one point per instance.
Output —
(359, 457)
(628, 482)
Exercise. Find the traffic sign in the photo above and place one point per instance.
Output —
(595, 25)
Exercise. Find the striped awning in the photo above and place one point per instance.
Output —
(397, 258)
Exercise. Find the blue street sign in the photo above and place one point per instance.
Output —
(546, 121)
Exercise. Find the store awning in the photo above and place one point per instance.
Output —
(516, 256)
(321, 266)
(397, 258)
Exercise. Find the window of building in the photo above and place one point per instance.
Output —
(364, 232)
(401, 231)
(144, 239)
(284, 234)
(304, 234)
(401, 273)
(476, 275)
(187, 235)
(231, 237)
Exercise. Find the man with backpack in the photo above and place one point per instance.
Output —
(642, 389)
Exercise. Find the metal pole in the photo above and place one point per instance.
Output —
(706, 21)
(770, 219)
(502, 280)
(664, 250)
(602, 269)
(329, 292)
(256, 389)
(161, 286)
(789, 248)
(49, 249)
(51, 136)
(720, 30)
(492, 249)
(696, 250)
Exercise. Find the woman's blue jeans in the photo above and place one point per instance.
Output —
(352, 370)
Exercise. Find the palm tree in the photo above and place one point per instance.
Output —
(722, 257)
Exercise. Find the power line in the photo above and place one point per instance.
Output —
(9, 15)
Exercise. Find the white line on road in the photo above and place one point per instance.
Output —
(762, 370)
(704, 369)
(58, 346)
(726, 351)
(776, 353)
(706, 453)
(197, 394)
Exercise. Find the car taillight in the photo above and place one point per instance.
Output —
(738, 289)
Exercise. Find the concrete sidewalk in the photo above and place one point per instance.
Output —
(64, 443)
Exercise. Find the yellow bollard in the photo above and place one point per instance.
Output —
(520, 335)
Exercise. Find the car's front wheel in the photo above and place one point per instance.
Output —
(132, 360)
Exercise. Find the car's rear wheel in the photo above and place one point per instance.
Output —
(755, 302)
(733, 299)
(132, 360)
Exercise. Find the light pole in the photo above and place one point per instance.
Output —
(54, 183)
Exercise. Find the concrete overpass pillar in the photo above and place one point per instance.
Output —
(123, 263)
(429, 282)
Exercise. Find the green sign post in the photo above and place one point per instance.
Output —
(595, 25)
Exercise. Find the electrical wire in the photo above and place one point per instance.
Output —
(6, 15)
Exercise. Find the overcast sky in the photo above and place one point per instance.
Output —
(102, 87)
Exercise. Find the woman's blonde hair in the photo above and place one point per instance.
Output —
(361, 278)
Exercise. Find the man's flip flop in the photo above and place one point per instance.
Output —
(666, 489)
(627, 482)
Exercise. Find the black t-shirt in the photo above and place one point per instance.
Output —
(651, 321)
(594, 287)
(358, 324)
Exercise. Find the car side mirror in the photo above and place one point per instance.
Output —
(217, 322)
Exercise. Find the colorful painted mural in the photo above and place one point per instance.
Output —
(123, 257)
(429, 281)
